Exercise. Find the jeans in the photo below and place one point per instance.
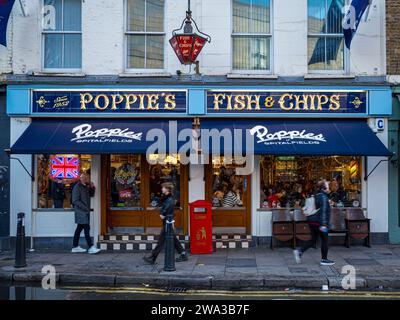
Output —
(79, 228)
(324, 241)
(161, 241)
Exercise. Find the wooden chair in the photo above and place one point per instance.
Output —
(358, 225)
(282, 226)
(338, 224)
(301, 227)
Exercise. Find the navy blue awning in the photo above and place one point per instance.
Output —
(298, 137)
(84, 136)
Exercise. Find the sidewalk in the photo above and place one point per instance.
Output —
(240, 269)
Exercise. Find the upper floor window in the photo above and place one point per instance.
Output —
(145, 34)
(62, 34)
(251, 35)
(325, 35)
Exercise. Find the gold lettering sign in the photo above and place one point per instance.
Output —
(286, 102)
(128, 101)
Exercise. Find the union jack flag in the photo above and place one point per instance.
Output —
(64, 167)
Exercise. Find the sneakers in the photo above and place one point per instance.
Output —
(182, 257)
(93, 250)
(327, 262)
(297, 255)
(149, 260)
(78, 249)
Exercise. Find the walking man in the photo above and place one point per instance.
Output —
(167, 213)
(81, 193)
(319, 225)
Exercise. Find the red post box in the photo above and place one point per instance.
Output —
(200, 227)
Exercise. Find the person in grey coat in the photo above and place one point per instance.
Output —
(81, 194)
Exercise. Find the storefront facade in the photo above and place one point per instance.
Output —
(126, 203)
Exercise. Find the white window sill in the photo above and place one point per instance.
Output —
(145, 75)
(59, 73)
(313, 76)
(251, 76)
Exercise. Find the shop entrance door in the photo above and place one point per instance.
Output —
(131, 193)
(230, 195)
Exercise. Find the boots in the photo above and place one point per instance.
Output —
(150, 259)
(182, 257)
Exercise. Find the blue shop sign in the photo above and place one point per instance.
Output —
(286, 102)
(109, 102)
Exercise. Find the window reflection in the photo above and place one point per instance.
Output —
(227, 186)
(125, 178)
(167, 169)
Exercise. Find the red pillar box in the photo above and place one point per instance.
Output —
(200, 227)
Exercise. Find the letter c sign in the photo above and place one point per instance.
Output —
(380, 124)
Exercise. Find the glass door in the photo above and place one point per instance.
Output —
(132, 192)
(230, 196)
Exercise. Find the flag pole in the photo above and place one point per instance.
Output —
(367, 13)
(22, 8)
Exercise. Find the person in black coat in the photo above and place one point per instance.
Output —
(319, 225)
(167, 214)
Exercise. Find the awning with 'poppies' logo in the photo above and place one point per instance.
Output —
(293, 137)
(88, 136)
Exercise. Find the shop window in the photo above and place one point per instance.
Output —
(287, 181)
(56, 176)
(326, 50)
(227, 186)
(145, 34)
(125, 178)
(166, 169)
(62, 34)
(251, 35)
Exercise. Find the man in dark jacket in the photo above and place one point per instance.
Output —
(319, 225)
(167, 214)
(81, 194)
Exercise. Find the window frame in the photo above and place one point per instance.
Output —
(60, 32)
(35, 187)
(127, 33)
(263, 35)
(346, 57)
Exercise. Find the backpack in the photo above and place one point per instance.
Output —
(309, 208)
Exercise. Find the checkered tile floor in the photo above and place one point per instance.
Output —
(148, 242)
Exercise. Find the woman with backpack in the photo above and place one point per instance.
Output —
(318, 216)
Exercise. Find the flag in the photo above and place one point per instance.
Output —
(5, 10)
(331, 46)
(352, 19)
(64, 167)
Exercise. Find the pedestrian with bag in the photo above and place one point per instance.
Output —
(318, 216)
(167, 214)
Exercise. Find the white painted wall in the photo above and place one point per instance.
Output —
(104, 51)
(377, 189)
(20, 182)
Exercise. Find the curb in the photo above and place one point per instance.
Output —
(201, 282)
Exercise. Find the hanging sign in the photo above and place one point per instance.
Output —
(109, 102)
(288, 102)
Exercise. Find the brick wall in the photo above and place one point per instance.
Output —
(393, 36)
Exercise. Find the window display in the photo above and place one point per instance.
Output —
(166, 170)
(287, 181)
(227, 186)
(56, 176)
(125, 178)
